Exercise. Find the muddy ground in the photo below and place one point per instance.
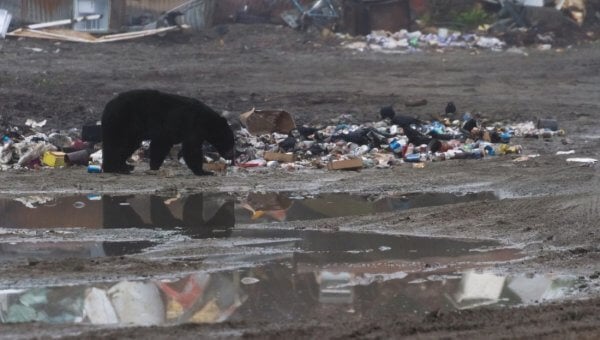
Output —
(548, 207)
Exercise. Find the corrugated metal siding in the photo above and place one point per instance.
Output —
(227, 11)
(35, 11)
(198, 15)
(12, 6)
(46, 10)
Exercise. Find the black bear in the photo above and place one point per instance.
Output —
(164, 119)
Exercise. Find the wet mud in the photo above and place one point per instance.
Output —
(498, 247)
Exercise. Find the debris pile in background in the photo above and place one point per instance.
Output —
(404, 41)
(391, 141)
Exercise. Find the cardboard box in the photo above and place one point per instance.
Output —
(347, 164)
(279, 156)
(218, 167)
(54, 158)
(264, 121)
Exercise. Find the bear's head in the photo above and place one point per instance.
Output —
(220, 135)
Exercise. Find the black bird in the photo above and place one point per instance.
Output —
(450, 108)
(388, 112)
(415, 137)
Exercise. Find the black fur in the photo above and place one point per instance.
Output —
(164, 119)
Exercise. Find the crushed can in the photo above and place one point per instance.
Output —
(94, 169)
(412, 158)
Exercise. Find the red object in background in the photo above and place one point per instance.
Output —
(418, 7)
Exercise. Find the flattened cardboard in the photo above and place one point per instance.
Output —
(266, 121)
(279, 156)
(218, 167)
(347, 164)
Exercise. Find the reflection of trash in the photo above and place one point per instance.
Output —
(33, 202)
(271, 205)
(479, 289)
(98, 308)
(137, 303)
(249, 280)
(334, 288)
(78, 205)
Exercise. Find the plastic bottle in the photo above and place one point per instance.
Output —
(396, 146)
(438, 128)
(505, 137)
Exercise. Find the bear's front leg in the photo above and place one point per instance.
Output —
(194, 158)
(159, 149)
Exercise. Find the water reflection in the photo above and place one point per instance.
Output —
(203, 214)
(70, 249)
(273, 293)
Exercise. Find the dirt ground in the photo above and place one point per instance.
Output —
(548, 206)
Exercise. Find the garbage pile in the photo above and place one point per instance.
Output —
(404, 41)
(393, 140)
(27, 147)
(271, 139)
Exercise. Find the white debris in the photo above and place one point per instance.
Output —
(582, 160)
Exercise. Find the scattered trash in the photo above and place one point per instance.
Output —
(272, 139)
(405, 41)
(417, 102)
(30, 122)
(214, 166)
(347, 164)
(550, 124)
(570, 152)
(84, 37)
(54, 159)
(582, 160)
(80, 157)
(279, 157)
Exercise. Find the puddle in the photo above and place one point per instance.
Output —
(293, 275)
(72, 249)
(276, 293)
(272, 274)
(199, 214)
